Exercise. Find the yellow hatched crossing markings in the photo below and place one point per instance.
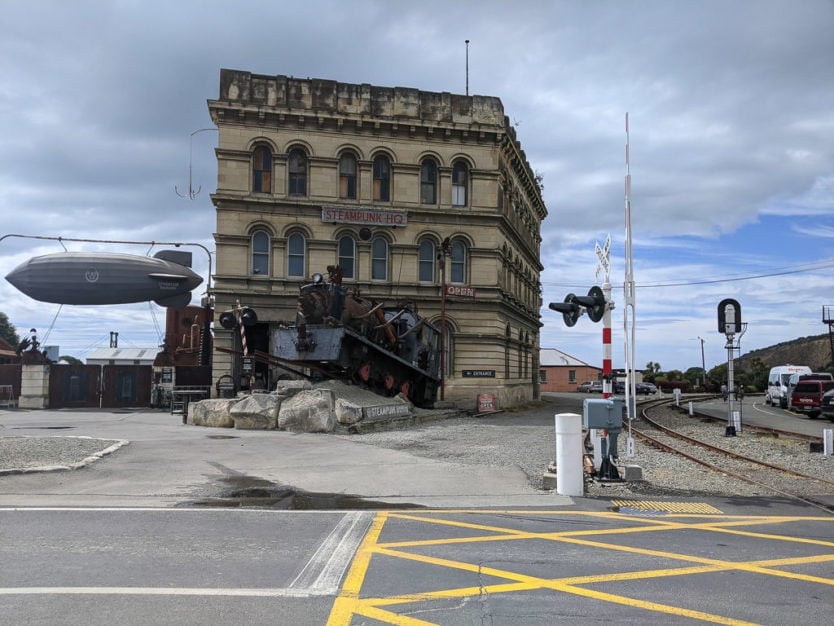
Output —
(667, 507)
(350, 603)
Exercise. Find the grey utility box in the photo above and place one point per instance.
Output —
(605, 413)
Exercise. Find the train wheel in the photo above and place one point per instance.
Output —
(405, 389)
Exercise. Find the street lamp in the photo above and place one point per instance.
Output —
(192, 193)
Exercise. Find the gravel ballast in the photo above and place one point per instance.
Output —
(27, 454)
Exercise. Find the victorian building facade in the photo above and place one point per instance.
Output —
(417, 196)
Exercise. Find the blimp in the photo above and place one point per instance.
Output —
(108, 278)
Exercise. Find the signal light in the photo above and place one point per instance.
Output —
(569, 309)
(228, 320)
(248, 317)
(574, 306)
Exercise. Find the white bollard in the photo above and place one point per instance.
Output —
(691, 409)
(569, 469)
(827, 441)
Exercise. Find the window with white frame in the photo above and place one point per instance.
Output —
(260, 253)
(379, 259)
(297, 172)
(382, 178)
(460, 180)
(458, 262)
(427, 259)
(296, 254)
(428, 182)
(347, 176)
(347, 256)
(262, 169)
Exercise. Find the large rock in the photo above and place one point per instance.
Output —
(309, 411)
(258, 411)
(213, 412)
(289, 388)
(347, 412)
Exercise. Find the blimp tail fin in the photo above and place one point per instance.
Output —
(180, 257)
(178, 301)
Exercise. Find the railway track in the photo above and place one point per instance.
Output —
(669, 429)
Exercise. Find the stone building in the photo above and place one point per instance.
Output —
(381, 181)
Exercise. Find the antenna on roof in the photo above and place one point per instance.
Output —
(467, 67)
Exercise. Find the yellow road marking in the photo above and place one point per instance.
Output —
(667, 507)
(349, 603)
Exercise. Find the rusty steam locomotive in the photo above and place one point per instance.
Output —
(340, 335)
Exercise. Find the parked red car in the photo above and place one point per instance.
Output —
(807, 396)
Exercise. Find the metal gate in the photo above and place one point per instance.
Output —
(108, 386)
(126, 386)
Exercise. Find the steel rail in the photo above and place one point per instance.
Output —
(721, 451)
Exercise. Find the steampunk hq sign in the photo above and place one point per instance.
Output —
(367, 216)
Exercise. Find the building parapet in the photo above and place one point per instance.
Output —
(330, 97)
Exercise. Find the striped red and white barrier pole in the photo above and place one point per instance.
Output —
(607, 371)
(242, 335)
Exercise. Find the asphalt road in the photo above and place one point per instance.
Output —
(754, 410)
(146, 535)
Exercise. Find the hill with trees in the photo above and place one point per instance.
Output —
(751, 369)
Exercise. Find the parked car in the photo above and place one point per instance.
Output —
(585, 387)
(827, 404)
(596, 387)
(807, 396)
(645, 389)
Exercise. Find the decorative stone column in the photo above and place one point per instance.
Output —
(34, 387)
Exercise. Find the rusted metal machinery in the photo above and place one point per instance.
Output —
(341, 335)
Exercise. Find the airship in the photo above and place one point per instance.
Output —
(108, 278)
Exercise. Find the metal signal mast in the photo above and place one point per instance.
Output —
(630, 305)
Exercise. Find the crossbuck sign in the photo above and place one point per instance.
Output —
(604, 258)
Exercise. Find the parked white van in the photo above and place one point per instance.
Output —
(778, 382)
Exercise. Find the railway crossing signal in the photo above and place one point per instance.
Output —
(230, 319)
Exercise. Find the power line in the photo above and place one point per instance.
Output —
(798, 270)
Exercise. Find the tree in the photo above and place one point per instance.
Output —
(758, 373)
(70, 360)
(8, 331)
(652, 370)
(694, 376)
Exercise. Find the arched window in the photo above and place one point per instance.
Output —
(427, 259)
(520, 355)
(460, 181)
(382, 178)
(262, 169)
(347, 256)
(347, 176)
(428, 182)
(379, 259)
(458, 262)
(507, 341)
(298, 172)
(260, 253)
(296, 253)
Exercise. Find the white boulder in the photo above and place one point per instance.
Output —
(258, 411)
(308, 411)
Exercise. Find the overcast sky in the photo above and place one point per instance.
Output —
(731, 111)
